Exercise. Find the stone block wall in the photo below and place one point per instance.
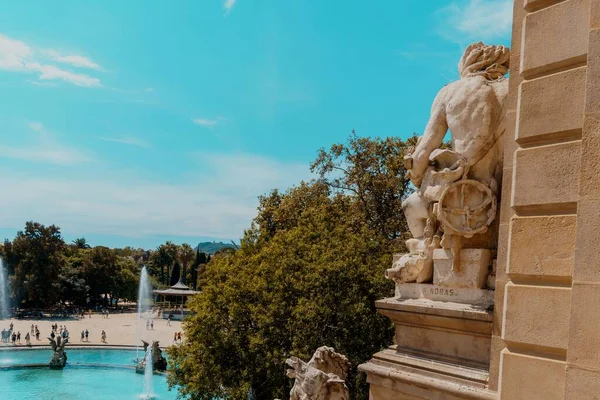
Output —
(546, 338)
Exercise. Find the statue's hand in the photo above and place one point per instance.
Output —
(414, 178)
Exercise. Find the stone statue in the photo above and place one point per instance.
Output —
(322, 378)
(159, 362)
(59, 356)
(455, 201)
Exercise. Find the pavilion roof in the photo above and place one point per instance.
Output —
(176, 292)
(178, 289)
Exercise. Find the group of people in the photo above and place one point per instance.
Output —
(10, 336)
(177, 337)
(56, 330)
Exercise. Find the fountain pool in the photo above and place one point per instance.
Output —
(90, 374)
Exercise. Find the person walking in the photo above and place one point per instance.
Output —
(103, 337)
(175, 337)
(87, 335)
(169, 319)
(19, 337)
(152, 325)
(14, 338)
(28, 339)
(147, 324)
(32, 331)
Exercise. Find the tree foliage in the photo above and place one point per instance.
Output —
(307, 274)
(45, 272)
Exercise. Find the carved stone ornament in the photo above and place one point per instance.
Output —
(322, 378)
(455, 204)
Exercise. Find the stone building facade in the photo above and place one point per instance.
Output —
(542, 340)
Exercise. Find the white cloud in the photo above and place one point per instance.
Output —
(17, 56)
(51, 72)
(228, 5)
(205, 122)
(220, 204)
(476, 20)
(73, 59)
(44, 149)
(129, 140)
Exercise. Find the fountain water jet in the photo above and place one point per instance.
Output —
(148, 392)
(143, 303)
(4, 298)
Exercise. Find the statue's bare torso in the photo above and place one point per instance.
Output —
(471, 108)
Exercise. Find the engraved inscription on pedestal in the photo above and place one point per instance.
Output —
(477, 297)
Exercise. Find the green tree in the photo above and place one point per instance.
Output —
(163, 259)
(310, 281)
(81, 243)
(126, 280)
(307, 274)
(36, 256)
(372, 170)
(72, 284)
(198, 268)
(100, 266)
(186, 255)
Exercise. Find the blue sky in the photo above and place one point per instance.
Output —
(133, 122)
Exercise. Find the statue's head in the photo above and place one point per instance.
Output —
(328, 361)
(492, 62)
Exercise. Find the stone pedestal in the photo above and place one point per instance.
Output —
(442, 351)
(473, 272)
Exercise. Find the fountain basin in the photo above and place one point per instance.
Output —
(90, 374)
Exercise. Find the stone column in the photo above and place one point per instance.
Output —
(583, 355)
(542, 223)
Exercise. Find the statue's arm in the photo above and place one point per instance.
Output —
(432, 139)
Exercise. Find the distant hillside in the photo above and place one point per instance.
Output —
(212, 247)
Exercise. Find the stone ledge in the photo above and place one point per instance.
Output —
(405, 375)
(439, 308)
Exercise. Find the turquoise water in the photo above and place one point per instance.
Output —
(89, 375)
(75, 356)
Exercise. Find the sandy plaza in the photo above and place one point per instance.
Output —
(120, 330)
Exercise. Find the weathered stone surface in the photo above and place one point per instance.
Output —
(582, 384)
(592, 98)
(542, 246)
(587, 260)
(525, 377)
(551, 105)
(547, 175)
(473, 270)
(537, 315)
(590, 167)
(480, 297)
(322, 378)
(555, 37)
(584, 337)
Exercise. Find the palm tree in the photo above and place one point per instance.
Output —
(186, 255)
(81, 243)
